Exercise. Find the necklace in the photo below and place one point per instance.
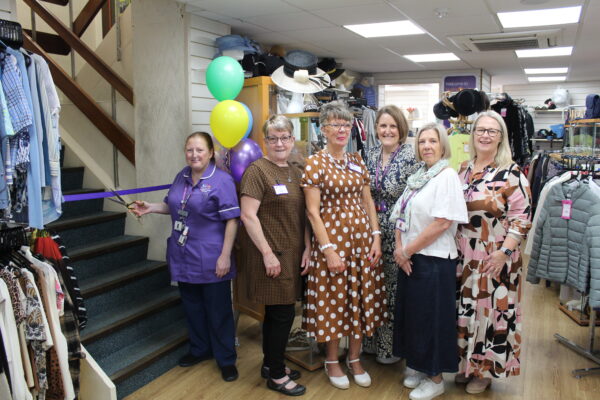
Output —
(337, 162)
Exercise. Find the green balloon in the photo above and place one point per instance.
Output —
(224, 78)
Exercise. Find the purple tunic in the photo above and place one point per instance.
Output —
(211, 203)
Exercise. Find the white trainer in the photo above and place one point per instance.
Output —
(412, 378)
(427, 390)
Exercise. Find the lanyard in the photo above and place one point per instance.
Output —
(185, 198)
(378, 183)
(404, 202)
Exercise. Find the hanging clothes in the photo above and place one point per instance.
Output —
(520, 127)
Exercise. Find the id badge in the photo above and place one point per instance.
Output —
(566, 209)
(381, 206)
(355, 168)
(280, 189)
(401, 224)
(183, 237)
(179, 225)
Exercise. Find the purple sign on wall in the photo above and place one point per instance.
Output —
(456, 83)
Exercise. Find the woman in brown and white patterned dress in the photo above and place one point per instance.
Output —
(345, 294)
(489, 311)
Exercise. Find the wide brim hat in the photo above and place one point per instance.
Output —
(332, 68)
(236, 42)
(300, 74)
(467, 102)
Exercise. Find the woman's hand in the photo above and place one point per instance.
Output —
(406, 267)
(400, 254)
(375, 253)
(272, 265)
(140, 207)
(305, 261)
(335, 264)
(223, 265)
(494, 263)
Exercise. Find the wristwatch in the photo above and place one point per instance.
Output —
(506, 251)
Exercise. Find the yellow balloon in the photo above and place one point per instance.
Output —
(229, 122)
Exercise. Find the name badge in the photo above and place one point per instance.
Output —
(178, 226)
(355, 168)
(566, 209)
(182, 213)
(401, 225)
(280, 189)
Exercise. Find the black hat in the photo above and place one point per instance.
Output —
(444, 109)
(332, 68)
(467, 102)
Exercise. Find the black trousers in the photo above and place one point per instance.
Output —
(276, 329)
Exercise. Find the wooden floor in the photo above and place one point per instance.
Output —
(546, 367)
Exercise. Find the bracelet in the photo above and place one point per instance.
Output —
(404, 254)
(326, 246)
(375, 233)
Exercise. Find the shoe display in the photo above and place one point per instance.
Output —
(340, 382)
(189, 359)
(427, 390)
(478, 385)
(298, 340)
(229, 373)
(388, 360)
(297, 390)
(412, 378)
(292, 373)
(363, 379)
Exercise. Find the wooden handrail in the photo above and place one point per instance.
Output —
(76, 44)
(87, 15)
(59, 2)
(113, 132)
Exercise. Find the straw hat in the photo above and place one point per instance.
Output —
(299, 73)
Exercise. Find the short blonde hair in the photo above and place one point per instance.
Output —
(442, 137)
(503, 156)
(336, 109)
(280, 123)
(398, 117)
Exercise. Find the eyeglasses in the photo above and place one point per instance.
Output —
(340, 127)
(275, 139)
(491, 132)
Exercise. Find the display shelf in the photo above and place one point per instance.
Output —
(304, 114)
(579, 317)
(546, 140)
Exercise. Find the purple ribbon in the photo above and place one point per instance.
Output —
(100, 195)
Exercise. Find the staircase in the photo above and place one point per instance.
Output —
(136, 328)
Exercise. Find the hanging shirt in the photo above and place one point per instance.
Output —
(459, 146)
(20, 112)
(208, 204)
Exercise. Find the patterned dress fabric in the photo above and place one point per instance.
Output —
(388, 190)
(353, 302)
(282, 218)
(489, 311)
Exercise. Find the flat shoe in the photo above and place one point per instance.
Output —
(293, 374)
(478, 385)
(229, 373)
(340, 382)
(297, 390)
(189, 359)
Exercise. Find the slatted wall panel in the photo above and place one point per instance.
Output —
(201, 50)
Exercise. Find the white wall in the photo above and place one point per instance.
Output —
(535, 94)
(201, 50)
(392, 78)
(8, 10)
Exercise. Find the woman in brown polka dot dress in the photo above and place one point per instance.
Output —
(345, 294)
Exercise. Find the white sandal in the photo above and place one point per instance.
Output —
(363, 379)
(340, 382)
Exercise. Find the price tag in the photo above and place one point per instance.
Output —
(280, 189)
(566, 209)
(355, 168)
(503, 112)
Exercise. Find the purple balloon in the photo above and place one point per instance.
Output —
(242, 155)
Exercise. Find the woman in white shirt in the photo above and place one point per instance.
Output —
(427, 215)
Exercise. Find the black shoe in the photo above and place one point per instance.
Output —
(189, 359)
(229, 373)
(294, 374)
(297, 390)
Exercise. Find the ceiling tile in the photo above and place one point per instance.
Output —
(290, 21)
(363, 14)
(326, 4)
(243, 9)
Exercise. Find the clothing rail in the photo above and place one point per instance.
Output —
(588, 353)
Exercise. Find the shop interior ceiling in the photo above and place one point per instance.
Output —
(317, 26)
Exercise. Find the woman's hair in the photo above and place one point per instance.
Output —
(398, 117)
(207, 138)
(442, 137)
(504, 155)
(335, 110)
(280, 123)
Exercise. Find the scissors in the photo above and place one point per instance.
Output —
(122, 202)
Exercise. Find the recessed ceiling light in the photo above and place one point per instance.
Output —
(550, 16)
(551, 52)
(546, 78)
(432, 57)
(532, 71)
(381, 29)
